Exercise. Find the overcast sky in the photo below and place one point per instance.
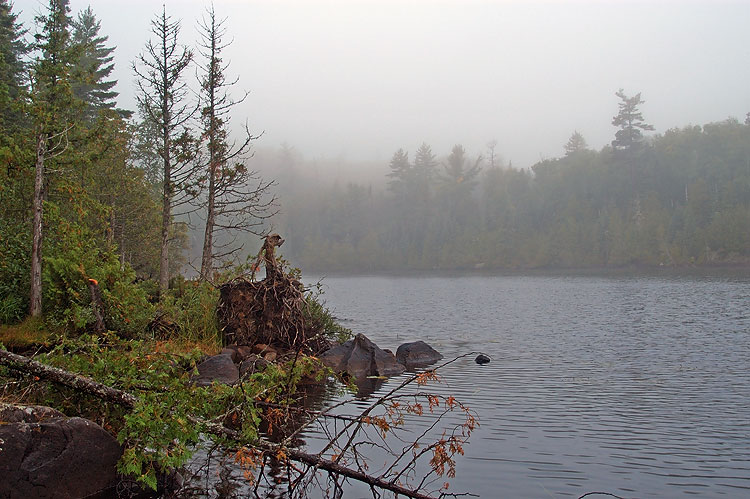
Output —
(360, 79)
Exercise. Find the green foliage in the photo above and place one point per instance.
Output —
(321, 319)
(14, 271)
(191, 306)
(78, 253)
(161, 431)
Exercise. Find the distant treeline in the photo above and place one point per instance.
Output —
(678, 198)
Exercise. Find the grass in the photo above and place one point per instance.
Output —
(30, 333)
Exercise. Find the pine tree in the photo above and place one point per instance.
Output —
(237, 199)
(630, 122)
(93, 66)
(425, 166)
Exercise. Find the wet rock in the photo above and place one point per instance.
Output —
(360, 358)
(219, 369)
(243, 351)
(417, 353)
(251, 365)
(56, 457)
(482, 359)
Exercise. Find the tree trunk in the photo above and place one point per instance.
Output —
(165, 223)
(35, 298)
(166, 213)
(208, 238)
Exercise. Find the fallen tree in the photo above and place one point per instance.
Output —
(342, 447)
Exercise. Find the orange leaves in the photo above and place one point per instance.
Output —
(424, 377)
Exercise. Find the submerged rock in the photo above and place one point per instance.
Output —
(417, 353)
(360, 358)
(44, 454)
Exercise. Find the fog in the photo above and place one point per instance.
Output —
(357, 80)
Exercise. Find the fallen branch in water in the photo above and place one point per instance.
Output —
(27, 366)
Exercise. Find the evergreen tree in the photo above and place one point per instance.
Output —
(161, 96)
(425, 166)
(13, 49)
(457, 170)
(236, 199)
(630, 122)
(400, 174)
(576, 143)
(93, 66)
(52, 105)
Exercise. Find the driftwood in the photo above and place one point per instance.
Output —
(84, 384)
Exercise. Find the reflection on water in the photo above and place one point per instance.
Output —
(638, 386)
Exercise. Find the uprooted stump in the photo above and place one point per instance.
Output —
(271, 311)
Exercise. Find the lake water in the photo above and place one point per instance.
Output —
(637, 386)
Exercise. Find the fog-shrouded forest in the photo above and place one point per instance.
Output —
(86, 183)
(681, 197)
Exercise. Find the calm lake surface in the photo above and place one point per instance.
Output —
(634, 385)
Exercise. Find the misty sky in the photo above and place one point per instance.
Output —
(359, 79)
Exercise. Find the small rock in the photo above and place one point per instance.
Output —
(482, 359)
(260, 348)
(270, 356)
(417, 353)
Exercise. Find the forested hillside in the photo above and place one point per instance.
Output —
(677, 198)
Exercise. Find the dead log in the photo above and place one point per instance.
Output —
(29, 366)
(84, 384)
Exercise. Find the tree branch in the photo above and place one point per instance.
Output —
(87, 385)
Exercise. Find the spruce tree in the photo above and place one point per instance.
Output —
(237, 200)
(162, 97)
(13, 50)
(52, 108)
(93, 65)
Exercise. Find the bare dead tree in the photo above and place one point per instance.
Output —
(237, 199)
(162, 98)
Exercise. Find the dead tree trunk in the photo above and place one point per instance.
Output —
(97, 306)
(35, 298)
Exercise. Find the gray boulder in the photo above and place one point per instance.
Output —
(360, 358)
(417, 353)
(55, 457)
(219, 368)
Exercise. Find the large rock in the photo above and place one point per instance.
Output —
(360, 358)
(417, 353)
(219, 368)
(55, 457)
